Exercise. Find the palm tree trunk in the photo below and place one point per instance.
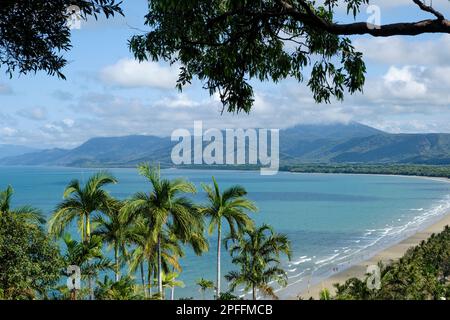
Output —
(160, 285)
(149, 279)
(88, 228)
(87, 239)
(254, 292)
(143, 279)
(219, 231)
(116, 262)
(73, 294)
(91, 293)
(172, 294)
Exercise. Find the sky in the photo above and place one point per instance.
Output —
(108, 93)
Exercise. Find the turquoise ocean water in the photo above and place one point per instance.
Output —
(333, 221)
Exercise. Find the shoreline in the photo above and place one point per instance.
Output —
(240, 169)
(358, 270)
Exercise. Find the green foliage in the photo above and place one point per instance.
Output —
(258, 253)
(88, 256)
(227, 44)
(165, 218)
(228, 296)
(34, 33)
(231, 207)
(30, 263)
(205, 285)
(147, 229)
(325, 294)
(124, 289)
(116, 231)
(27, 214)
(388, 169)
(80, 202)
(421, 274)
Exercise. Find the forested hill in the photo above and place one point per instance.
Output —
(325, 143)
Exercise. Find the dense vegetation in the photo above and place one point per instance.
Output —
(422, 273)
(435, 171)
(147, 233)
(30, 262)
(389, 169)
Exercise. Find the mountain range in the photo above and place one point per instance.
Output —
(314, 143)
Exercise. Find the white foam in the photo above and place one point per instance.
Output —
(301, 260)
(327, 259)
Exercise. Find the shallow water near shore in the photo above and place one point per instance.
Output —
(333, 221)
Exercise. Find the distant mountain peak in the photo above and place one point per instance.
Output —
(351, 142)
(335, 131)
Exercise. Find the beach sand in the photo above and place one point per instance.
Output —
(392, 253)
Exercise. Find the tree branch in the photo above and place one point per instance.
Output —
(429, 9)
(395, 29)
(310, 19)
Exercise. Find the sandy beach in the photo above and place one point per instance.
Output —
(387, 255)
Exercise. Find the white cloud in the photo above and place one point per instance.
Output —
(398, 50)
(68, 122)
(405, 82)
(129, 73)
(50, 127)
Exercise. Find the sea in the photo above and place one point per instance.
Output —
(332, 220)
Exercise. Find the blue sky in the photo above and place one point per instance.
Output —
(109, 94)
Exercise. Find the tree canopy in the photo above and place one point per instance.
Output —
(34, 34)
(30, 263)
(228, 43)
(224, 43)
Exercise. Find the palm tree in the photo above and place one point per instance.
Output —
(30, 215)
(146, 252)
(116, 231)
(229, 206)
(171, 250)
(258, 255)
(80, 203)
(170, 281)
(124, 289)
(88, 257)
(205, 285)
(164, 207)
